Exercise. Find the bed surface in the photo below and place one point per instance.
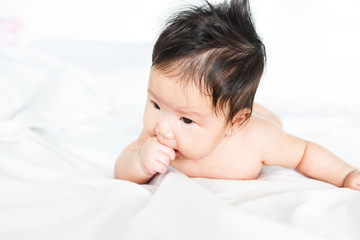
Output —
(67, 109)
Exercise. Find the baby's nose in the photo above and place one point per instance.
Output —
(163, 130)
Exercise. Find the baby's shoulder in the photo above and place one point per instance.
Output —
(261, 121)
(259, 131)
(258, 125)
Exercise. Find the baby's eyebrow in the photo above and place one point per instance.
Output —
(190, 113)
(149, 91)
(181, 110)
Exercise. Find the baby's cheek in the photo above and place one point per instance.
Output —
(149, 128)
(196, 149)
(149, 125)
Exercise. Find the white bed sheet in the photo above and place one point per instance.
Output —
(59, 144)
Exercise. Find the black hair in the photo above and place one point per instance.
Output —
(217, 48)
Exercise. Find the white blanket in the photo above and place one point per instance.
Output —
(58, 145)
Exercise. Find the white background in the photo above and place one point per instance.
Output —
(312, 45)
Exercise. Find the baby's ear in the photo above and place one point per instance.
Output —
(238, 120)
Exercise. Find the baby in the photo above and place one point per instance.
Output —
(200, 117)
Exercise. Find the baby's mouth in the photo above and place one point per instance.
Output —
(176, 153)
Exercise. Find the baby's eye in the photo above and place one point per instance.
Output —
(186, 120)
(156, 105)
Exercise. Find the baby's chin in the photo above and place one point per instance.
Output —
(180, 156)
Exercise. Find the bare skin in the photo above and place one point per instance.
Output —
(182, 130)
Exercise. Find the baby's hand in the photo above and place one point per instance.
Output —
(155, 157)
(353, 180)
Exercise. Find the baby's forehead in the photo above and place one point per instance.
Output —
(188, 80)
(183, 89)
(190, 89)
(189, 85)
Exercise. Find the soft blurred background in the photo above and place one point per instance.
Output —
(312, 45)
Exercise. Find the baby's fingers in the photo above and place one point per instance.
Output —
(355, 184)
(160, 167)
(353, 180)
(168, 151)
(163, 161)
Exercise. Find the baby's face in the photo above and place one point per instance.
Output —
(182, 119)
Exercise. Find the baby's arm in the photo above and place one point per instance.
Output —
(306, 157)
(319, 163)
(142, 159)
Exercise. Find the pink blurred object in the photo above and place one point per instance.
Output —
(10, 31)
